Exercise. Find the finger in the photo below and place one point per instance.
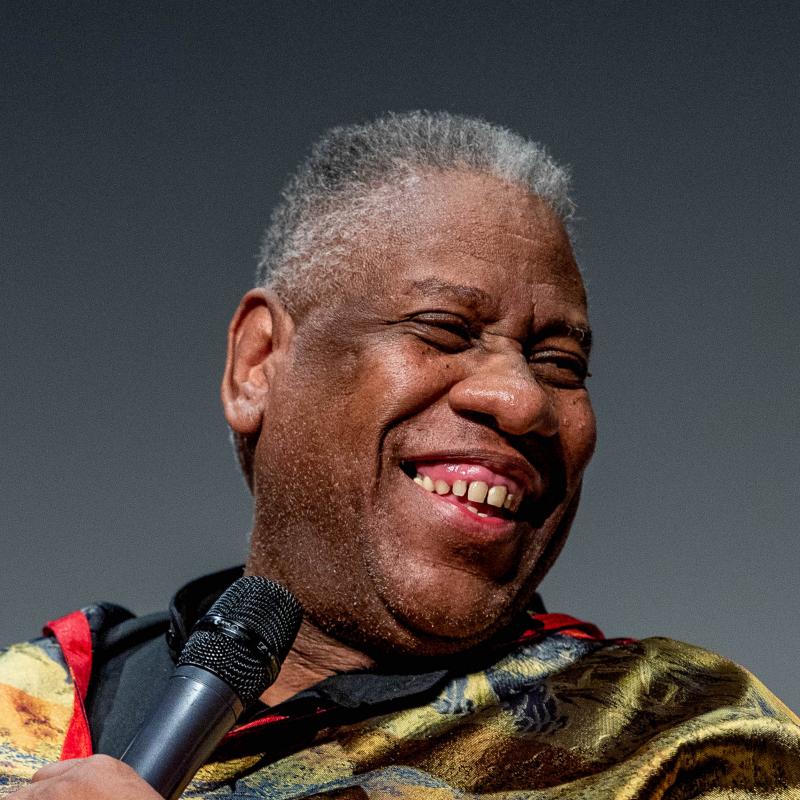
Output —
(55, 769)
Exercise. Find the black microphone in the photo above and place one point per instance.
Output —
(234, 653)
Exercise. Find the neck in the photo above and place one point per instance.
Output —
(314, 656)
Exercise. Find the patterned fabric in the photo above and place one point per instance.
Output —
(561, 713)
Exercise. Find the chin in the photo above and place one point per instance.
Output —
(438, 613)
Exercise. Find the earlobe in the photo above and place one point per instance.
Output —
(258, 336)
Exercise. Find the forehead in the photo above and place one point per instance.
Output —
(475, 231)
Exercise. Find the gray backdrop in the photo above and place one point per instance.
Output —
(142, 148)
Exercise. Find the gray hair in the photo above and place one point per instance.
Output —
(351, 179)
(353, 172)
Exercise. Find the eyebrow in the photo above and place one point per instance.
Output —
(581, 335)
(472, 296)
(469, 295)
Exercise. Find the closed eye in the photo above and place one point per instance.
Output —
(444, 331)
(560, 369)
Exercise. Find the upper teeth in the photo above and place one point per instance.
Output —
(476, 491)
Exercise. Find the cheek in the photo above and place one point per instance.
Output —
(343, 410)
(578, 432)
(402, 381)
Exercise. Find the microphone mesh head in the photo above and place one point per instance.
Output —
(269, 613)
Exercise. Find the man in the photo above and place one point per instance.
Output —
(407, 393)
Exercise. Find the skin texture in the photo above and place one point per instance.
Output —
(400, 367)
(94, 778)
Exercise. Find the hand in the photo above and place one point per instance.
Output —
(93, 778)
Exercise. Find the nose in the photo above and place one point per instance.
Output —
(505, 389)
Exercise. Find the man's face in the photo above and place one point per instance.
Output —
(456, 360)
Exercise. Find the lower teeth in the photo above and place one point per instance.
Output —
(475, 511)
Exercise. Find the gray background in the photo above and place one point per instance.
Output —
(142, 148)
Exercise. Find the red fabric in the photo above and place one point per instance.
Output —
(75, 639)
(270, 719)
(547, 624)
(541, 626)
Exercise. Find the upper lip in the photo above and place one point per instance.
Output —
(505, 463)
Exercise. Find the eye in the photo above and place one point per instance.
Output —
(559, 368)
(445, 331)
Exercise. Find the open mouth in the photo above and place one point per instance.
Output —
(477, 489)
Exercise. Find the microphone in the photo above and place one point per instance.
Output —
(234, 653)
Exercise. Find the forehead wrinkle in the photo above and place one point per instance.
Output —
(503, 245)
(535, 242)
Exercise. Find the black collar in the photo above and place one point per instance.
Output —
(134, 661)
(349, 690)
(192, 601)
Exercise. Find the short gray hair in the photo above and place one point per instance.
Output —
(335, 194)
(351, 177)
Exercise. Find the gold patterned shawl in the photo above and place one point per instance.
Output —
(561, 714)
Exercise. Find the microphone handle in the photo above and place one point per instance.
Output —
(196, 711)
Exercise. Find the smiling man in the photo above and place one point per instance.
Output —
(407, 393)
(441, 398)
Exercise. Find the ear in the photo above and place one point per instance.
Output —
(258, 339)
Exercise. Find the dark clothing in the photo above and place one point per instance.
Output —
(548, 710)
